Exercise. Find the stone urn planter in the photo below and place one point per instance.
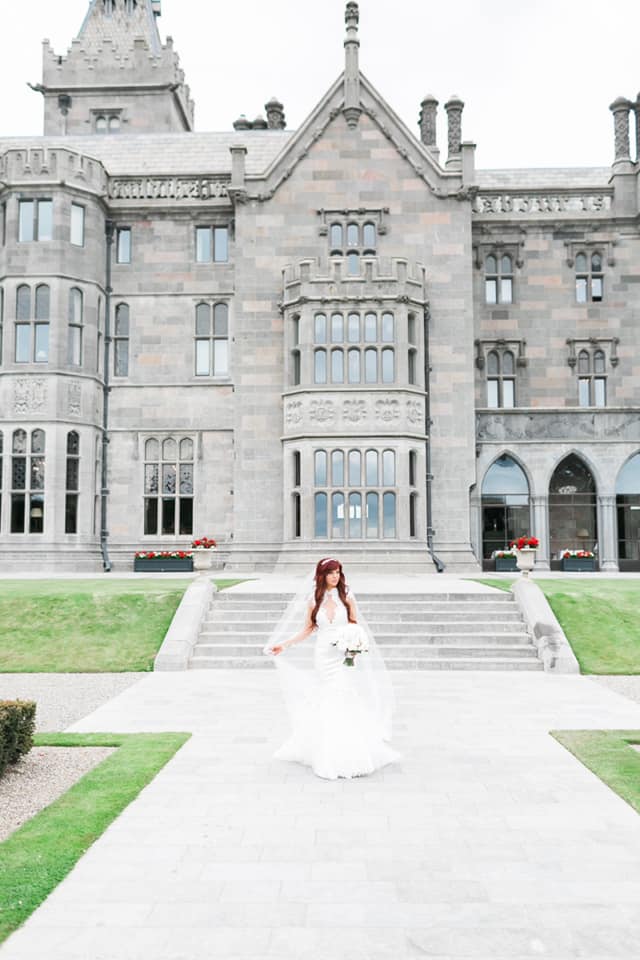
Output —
(202, 559)
(525, 560)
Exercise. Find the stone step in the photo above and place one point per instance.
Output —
(257, 615)
(391, 651)
(419, 663)
(427, 636)
(261, 599)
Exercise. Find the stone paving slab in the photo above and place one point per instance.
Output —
(488, 840)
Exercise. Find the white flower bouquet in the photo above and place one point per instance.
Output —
(351, 640)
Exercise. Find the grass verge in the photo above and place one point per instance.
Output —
(608, 754)
(86, 626)
(41, 853)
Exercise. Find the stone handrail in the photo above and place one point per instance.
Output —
(546, 633)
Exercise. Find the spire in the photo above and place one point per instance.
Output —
(121, 22)
(352, 108)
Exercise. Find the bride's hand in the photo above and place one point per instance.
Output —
(277, 649)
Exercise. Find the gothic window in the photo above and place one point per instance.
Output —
(123, 245)
(35, 221)
(27, 482)
(573, 518)
(121, 341)
(353, 239)
(32, 324)
(3, 224)
(168, 487)
(212, 340)
(357, 362)
(413, 496)
(212, 244)
(501, 379)
(589, 278)
(592, 378)
(74, 347)
(72, 483)
(498, 279)
(506, 511)
(77, 224)
(363, 506)
(1, 451)
(1, 321)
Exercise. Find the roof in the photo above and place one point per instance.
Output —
(166, 154)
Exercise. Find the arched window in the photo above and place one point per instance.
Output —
(337, 366)
(320, 366)
(320, 328)
(320, 468)
(74, 347)
(498, 280)
(388, 515)
(592, 378)
(337, 516)
(506, 513)
(32, 330)
(353, 264)
(72, 483)
(320, 515)
(572, 508)
(212, 340)
(356, 503)
(27, 482)
(628, 510)
(355, 515)
(337, 328)
(589, 277)
(335, 238)
(101, 122)
(121, 341)
(501, 379)
(369, 239)
(168, 487)
(337, 468)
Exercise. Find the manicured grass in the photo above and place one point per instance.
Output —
(608, 754)
(499, 584)
(86, 626)
(41, 853)
(599, 617)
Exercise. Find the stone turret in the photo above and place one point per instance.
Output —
(117, 76)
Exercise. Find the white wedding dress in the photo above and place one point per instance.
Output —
(336, 732)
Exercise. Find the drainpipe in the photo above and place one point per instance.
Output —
(104, 491)
(439, 565)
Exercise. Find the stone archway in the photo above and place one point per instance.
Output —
(628, 511)
(506, 512)
(573, 517)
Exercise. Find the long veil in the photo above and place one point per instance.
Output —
(297, 675)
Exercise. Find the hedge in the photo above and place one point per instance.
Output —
(17, 724)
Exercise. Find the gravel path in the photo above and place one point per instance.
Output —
(48, 772)
(63, 698)
(626, 686)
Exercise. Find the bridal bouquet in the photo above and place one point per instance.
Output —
(351, 640)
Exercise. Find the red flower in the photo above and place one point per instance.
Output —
(205, 543)
(525, 543)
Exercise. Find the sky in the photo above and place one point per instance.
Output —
(536, 76)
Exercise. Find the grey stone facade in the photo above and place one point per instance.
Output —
(470, 316)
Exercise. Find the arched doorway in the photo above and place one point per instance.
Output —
(628, 509)
(505, 506)
(573, 519)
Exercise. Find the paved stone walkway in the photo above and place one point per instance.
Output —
(488, 841)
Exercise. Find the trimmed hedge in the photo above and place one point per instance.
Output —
(17, 724)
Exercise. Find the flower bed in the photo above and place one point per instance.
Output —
(505, 561)
(165, 561)
(578, 561)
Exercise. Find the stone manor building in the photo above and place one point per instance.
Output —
(341, 339)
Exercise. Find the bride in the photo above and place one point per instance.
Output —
(337, 689)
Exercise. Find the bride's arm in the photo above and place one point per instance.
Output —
(308, 629)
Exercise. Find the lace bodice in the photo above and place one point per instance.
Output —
(332, 612)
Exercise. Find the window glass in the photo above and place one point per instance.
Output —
(372, 514)
(598, 361)
(77, 225)
(387, 328)
(203, 244)
(584, 399)
(152, 450)
(596, 288)
(337, 468)
(123, 247)
(353, 235)
(508, 394)
(337, 366)
(492, 394)
(221, 320)
(371, 365)
(23, 303)
(41, 350)
(45, 220)
(596, 263)
(337, 328)
(335, 237)
(320, 515)
(355, 460)
(337, 515)
(203, 358)
(354, 366)
(599, 391)
(23, 342)
(370, 327)
(581, 263)
(508, 365)
(387, 366)
(203, 320)
(491, 291)
(388, 468)
(506, 290)
(491, 264)
(221, 244)
(493, 363)
(122, 320)
(371, 468)
(355, 515)
(353, 330)
(583, 362)
(353, 264)
(505, 264)
(26, 221)
(220, 358)
(412, 328)
(369, 235)
(320, 328)
(43, 299)
(581, 289)
(320, 468)
(320, 366)
(389, 515)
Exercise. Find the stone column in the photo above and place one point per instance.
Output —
(427, 121)
(607, 534)
(475, 507)
(540, 523)
(620, 109)
(454, 107)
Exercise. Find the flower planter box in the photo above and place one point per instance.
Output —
(579, 564)
(163, 565)
(506, 565)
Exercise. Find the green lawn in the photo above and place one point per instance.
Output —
(86, 626)
(608, 754)
(41, 853)
(600, 618)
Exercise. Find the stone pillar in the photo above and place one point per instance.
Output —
(352, 108)
(238, 155)
(275, 115)
(607, 534)
(620, 109)
(468, 151)
(427, 121)
(540, 524)
(454, 107)
(475, 507)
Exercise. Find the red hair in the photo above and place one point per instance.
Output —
(324, 567)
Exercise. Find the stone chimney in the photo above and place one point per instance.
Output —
(454, 107)
(427, 121)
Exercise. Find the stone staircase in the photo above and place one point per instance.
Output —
(453, 631)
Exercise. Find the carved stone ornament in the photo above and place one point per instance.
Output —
(354, 411)
(29, 395)
(322, 411)
(293, 412)
(415, 413)
(74, 398)
(387, 411)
